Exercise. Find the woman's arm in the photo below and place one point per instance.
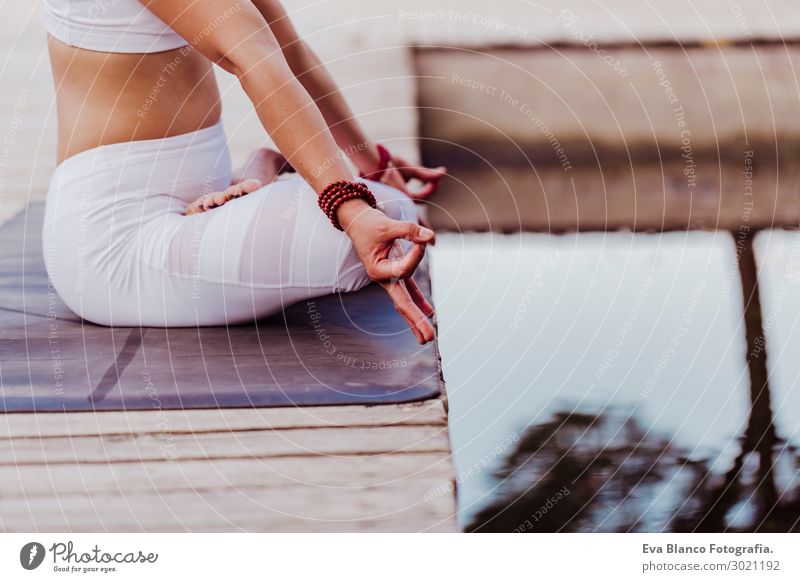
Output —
(234, 35)
(320, 86)
(344, 126)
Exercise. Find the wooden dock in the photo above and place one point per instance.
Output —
(351, 468)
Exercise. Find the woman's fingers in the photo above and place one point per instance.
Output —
(241, 188)
(422, 173)
(399, 268)
(394, 265)
(413, 232)
(429, 176)
(419, 297)
(394, 178)
(416, 320)
(410, 171)
(215, 199)
(411, 325)
(426, 190)
(400, 172)
(200, 205)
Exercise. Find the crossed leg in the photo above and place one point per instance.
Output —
(261, 168)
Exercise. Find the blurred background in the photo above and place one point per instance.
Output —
(618, 272)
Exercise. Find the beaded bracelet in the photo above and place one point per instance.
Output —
(331, 205)
(337, 188)
(337, 193)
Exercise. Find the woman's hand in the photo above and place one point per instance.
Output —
(216, 199)
(375, 237)
(430, 177)
(399, 173)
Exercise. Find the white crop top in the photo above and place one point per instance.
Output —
(118, 26)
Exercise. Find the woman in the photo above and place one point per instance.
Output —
(145, 222)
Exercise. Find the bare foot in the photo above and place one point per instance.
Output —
(215, 199)
(263, 164)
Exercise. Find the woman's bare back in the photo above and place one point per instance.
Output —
(106, 98)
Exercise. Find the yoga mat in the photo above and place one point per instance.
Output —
(339, 349)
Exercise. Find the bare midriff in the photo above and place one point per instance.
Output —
(105, 98)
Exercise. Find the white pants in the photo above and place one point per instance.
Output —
(119, 250)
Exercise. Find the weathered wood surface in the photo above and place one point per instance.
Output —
(661, 137)
(644, 196)
(225, 444)
(641, 101)
(229, 510)
(140, 422)
(349, 468)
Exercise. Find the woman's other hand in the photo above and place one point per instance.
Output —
(216, 199)
(399, 173)
(430, 177)
(375, 238)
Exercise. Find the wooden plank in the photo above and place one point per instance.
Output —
(530, 151)
(667, 101)
(399, 477)
(75, 424)
(352, 512)
(219, 445)
(377, 509)
(277, 473)
(618, 195)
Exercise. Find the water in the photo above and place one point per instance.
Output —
(598, 382)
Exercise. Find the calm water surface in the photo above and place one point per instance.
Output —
(598, 382)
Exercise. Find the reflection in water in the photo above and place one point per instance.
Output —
(604, 472)
(580, 472)
(615, 361)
